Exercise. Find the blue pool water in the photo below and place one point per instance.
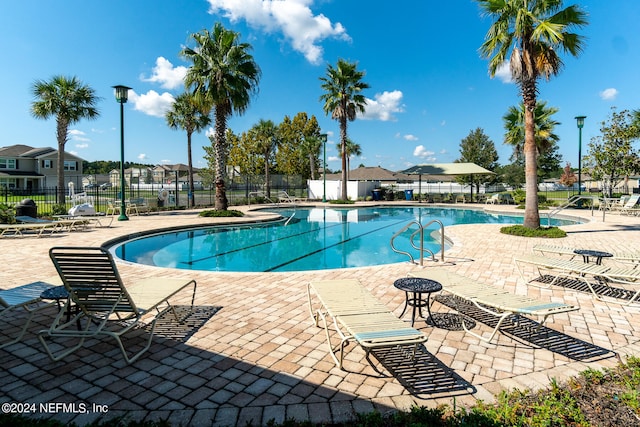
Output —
(313, 239)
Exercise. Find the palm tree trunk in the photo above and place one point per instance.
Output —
(267, 183)
(61, 131)
(221, 203)
(192, 197)
(343, 151)
(531, 214)
(312, 166)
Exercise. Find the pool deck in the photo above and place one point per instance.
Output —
(252, 352)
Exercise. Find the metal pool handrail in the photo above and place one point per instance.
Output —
(421, 248)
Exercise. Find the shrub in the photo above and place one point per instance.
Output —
(7, 214)
(521, 230)
(212, 213)
(58, 210)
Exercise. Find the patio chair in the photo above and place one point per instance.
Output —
(108, 307)
(494, 199)
(359, 316)
(604, 275)
(284, 197)
(40, 229)
(625, 256)
(631, 206)
(27, 298)
(490, 299)
(112, 209)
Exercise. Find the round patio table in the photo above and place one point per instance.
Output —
(413, 288)
(57, 293)
(588, 253)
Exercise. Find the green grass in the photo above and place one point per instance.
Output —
(521, 230)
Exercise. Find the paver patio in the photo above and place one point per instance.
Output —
(251, 351)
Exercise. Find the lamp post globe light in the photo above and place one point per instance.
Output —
(122, 94)
(323, 138)
(580, 123)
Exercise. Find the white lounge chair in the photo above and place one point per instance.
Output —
(359, 316)
(491, 299)
(27, 298)
(284, 197)
(631, 206)
(625, 256)
(108, 307)
(561, 268)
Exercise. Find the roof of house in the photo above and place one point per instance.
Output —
(26, 151)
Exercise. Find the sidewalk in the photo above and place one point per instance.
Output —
(252, 353)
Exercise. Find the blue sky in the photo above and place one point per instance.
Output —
(429, 85)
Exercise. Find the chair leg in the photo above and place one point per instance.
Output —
(30, 313)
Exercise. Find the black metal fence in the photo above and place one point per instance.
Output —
(237, 191)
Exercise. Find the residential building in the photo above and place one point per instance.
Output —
(27, 168)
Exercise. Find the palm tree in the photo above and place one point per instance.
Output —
(533, 32)
(352, 149)
(265, 137)
(311, 146)
(544, 125)
(188, 114)
(69, 100)
(343, 99)
(223, 76)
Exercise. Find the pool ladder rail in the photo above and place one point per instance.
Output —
(420, 247)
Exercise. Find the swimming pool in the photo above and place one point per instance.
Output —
(306, 239)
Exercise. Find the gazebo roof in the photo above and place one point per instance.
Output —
(447, 169)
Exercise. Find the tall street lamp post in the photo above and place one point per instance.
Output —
(122, 93)
(323, 138)
(580, 122)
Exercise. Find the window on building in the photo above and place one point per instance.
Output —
(7, 163)
(70, 165)
(47, 164)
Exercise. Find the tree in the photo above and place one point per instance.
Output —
(343, 99)
(611, 157)
(568, 178)
(548, 158)
(264, 137)
(223, 76)
(311, 146)
(479, 149)
(189, 115)
(300, 145)
(69, 100)
(351, 149)
(533, 32)
(512, 174)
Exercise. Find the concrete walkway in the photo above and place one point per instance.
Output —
(251, 352)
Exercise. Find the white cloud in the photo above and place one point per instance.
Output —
(333, 159)
(142, 156)
(166, 74)
(410, 137)
(152, 103)
(422, 152)
(383, 106)
(503, 72)
(609, 94)
(82, 145)
(78, 135)
(294, 18)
